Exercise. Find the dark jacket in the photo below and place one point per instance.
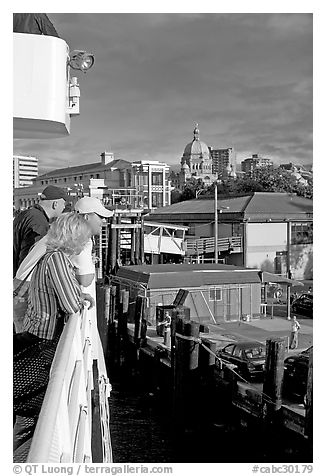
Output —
(29, 227)
(35, 23)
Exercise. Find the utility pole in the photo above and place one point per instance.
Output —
(216, 212)
(215, 223)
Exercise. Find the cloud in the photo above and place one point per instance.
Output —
(246, 78)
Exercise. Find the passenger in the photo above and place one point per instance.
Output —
(32, 224)
(93, 212)
(54, 294)
(33, 23)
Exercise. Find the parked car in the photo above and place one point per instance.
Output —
(296, 375)
(303, 305)
(248, 356)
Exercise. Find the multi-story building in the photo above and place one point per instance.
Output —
(150, 179)
(25, 169)
(255, 162)
(222, 160)
(142, 184)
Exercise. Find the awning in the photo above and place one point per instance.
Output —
(275, 278)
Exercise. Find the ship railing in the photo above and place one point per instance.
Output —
(64, 429)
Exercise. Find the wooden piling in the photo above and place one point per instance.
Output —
(143, 323)
(123, 313)
(274, 373)
(206, 359)
(309, 400)
(186, 361)
(138, 319)
(107, 299)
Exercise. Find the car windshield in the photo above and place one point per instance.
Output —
(307, 351)
(255, 353)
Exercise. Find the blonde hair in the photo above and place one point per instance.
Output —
(69, 234)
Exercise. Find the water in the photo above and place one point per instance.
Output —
(143, 431)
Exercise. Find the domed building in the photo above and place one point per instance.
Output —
(196, 161)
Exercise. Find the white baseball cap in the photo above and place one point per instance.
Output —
(92, 205)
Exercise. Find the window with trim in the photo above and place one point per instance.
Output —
(157, 178)
(215, 294)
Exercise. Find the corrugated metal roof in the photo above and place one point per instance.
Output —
(264, 203)
(256, 205)
(96, 166)
(181, 275)
(235, 204)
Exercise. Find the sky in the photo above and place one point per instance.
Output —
(245, 78)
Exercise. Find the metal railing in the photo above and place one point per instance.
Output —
(207, 245)
(64, 429)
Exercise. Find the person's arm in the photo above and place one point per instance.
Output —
(84, 266)
(67, 290)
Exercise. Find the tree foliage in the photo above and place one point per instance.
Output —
(265, 180)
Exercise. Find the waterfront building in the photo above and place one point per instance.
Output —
(266, 230)
(140, 184)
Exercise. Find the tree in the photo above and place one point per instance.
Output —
(192, 187)
(175, 196)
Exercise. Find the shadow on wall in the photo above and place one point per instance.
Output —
(266, 265)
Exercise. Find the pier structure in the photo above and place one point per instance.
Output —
(177, 355)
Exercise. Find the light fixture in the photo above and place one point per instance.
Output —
(81, 60)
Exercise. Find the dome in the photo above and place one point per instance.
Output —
(196, 148)
(185, 166)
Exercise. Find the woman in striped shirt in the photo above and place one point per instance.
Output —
(54, 294)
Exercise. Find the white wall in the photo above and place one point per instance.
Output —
(263, 240)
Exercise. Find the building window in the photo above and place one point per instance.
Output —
(97, 176)
(157, 178)
(157, 200)
(301, 233)
(65, 179)
(215, 294)
(80, 177)
(92, 176)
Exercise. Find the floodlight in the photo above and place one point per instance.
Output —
(81, 60)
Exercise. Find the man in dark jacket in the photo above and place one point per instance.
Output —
(32, 224)
(34, 23)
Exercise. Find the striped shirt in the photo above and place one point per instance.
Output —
(53, 288)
